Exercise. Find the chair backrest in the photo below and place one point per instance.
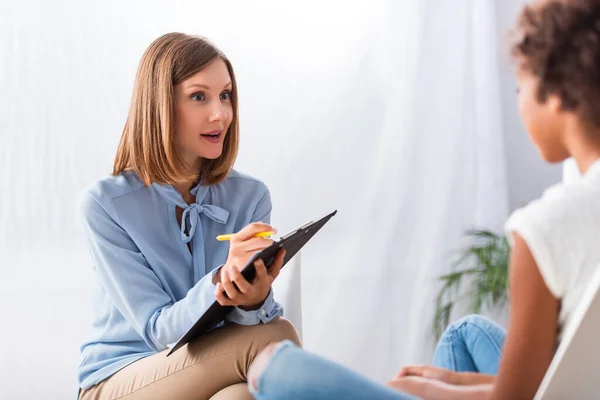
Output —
(573, 373)
(288, 291)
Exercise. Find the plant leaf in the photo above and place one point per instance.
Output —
(485, 264)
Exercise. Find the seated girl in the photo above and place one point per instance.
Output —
(555, 240)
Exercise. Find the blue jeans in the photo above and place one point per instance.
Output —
(472, 344)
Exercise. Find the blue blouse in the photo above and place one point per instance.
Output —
(150, 289)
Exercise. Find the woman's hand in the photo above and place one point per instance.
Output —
(238, 291)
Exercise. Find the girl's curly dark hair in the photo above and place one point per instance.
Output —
(559, 43)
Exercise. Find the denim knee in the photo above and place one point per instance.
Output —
(473, 319)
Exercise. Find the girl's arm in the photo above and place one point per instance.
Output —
(528, 350)
(532, 338)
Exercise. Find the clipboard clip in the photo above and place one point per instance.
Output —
(306, 225)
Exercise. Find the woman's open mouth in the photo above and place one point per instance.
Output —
(213, 136)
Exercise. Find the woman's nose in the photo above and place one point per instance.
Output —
(217, 113)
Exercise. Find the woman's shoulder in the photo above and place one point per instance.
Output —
(238, 180)
(238, 176)
(103, 191)
(114, 186)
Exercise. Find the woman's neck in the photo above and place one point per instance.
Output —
(184, 189)
(584, 146)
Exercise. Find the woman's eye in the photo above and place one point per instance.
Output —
(197, 97)
(226, 95)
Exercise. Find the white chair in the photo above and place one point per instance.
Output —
(573, 373)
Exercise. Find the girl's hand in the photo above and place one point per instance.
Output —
(429, 372)
(446, 375)
(431, 389)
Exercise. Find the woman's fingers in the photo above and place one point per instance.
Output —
(250, 230)
(243, 285)
(253, 245)
(221, 297)
(230, 289)
(262, 277)
(276, 265)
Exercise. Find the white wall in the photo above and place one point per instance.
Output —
(528, 175)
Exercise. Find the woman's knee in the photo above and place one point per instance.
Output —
(238, 391)
(280, 329)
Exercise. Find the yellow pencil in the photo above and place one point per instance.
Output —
(223, 238)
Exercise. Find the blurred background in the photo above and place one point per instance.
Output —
(401, 114)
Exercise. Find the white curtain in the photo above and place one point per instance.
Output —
(388, 111)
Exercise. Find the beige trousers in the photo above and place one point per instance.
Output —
(215, 366)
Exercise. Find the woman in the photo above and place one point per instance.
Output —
(554, 239)
(151, 228)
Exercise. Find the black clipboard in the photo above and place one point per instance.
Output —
(292, 243)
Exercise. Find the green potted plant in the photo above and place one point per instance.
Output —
(479, 277)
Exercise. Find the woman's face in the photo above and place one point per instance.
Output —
(544, 121)
(203, 113)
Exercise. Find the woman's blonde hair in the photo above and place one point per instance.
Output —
(147, 143)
